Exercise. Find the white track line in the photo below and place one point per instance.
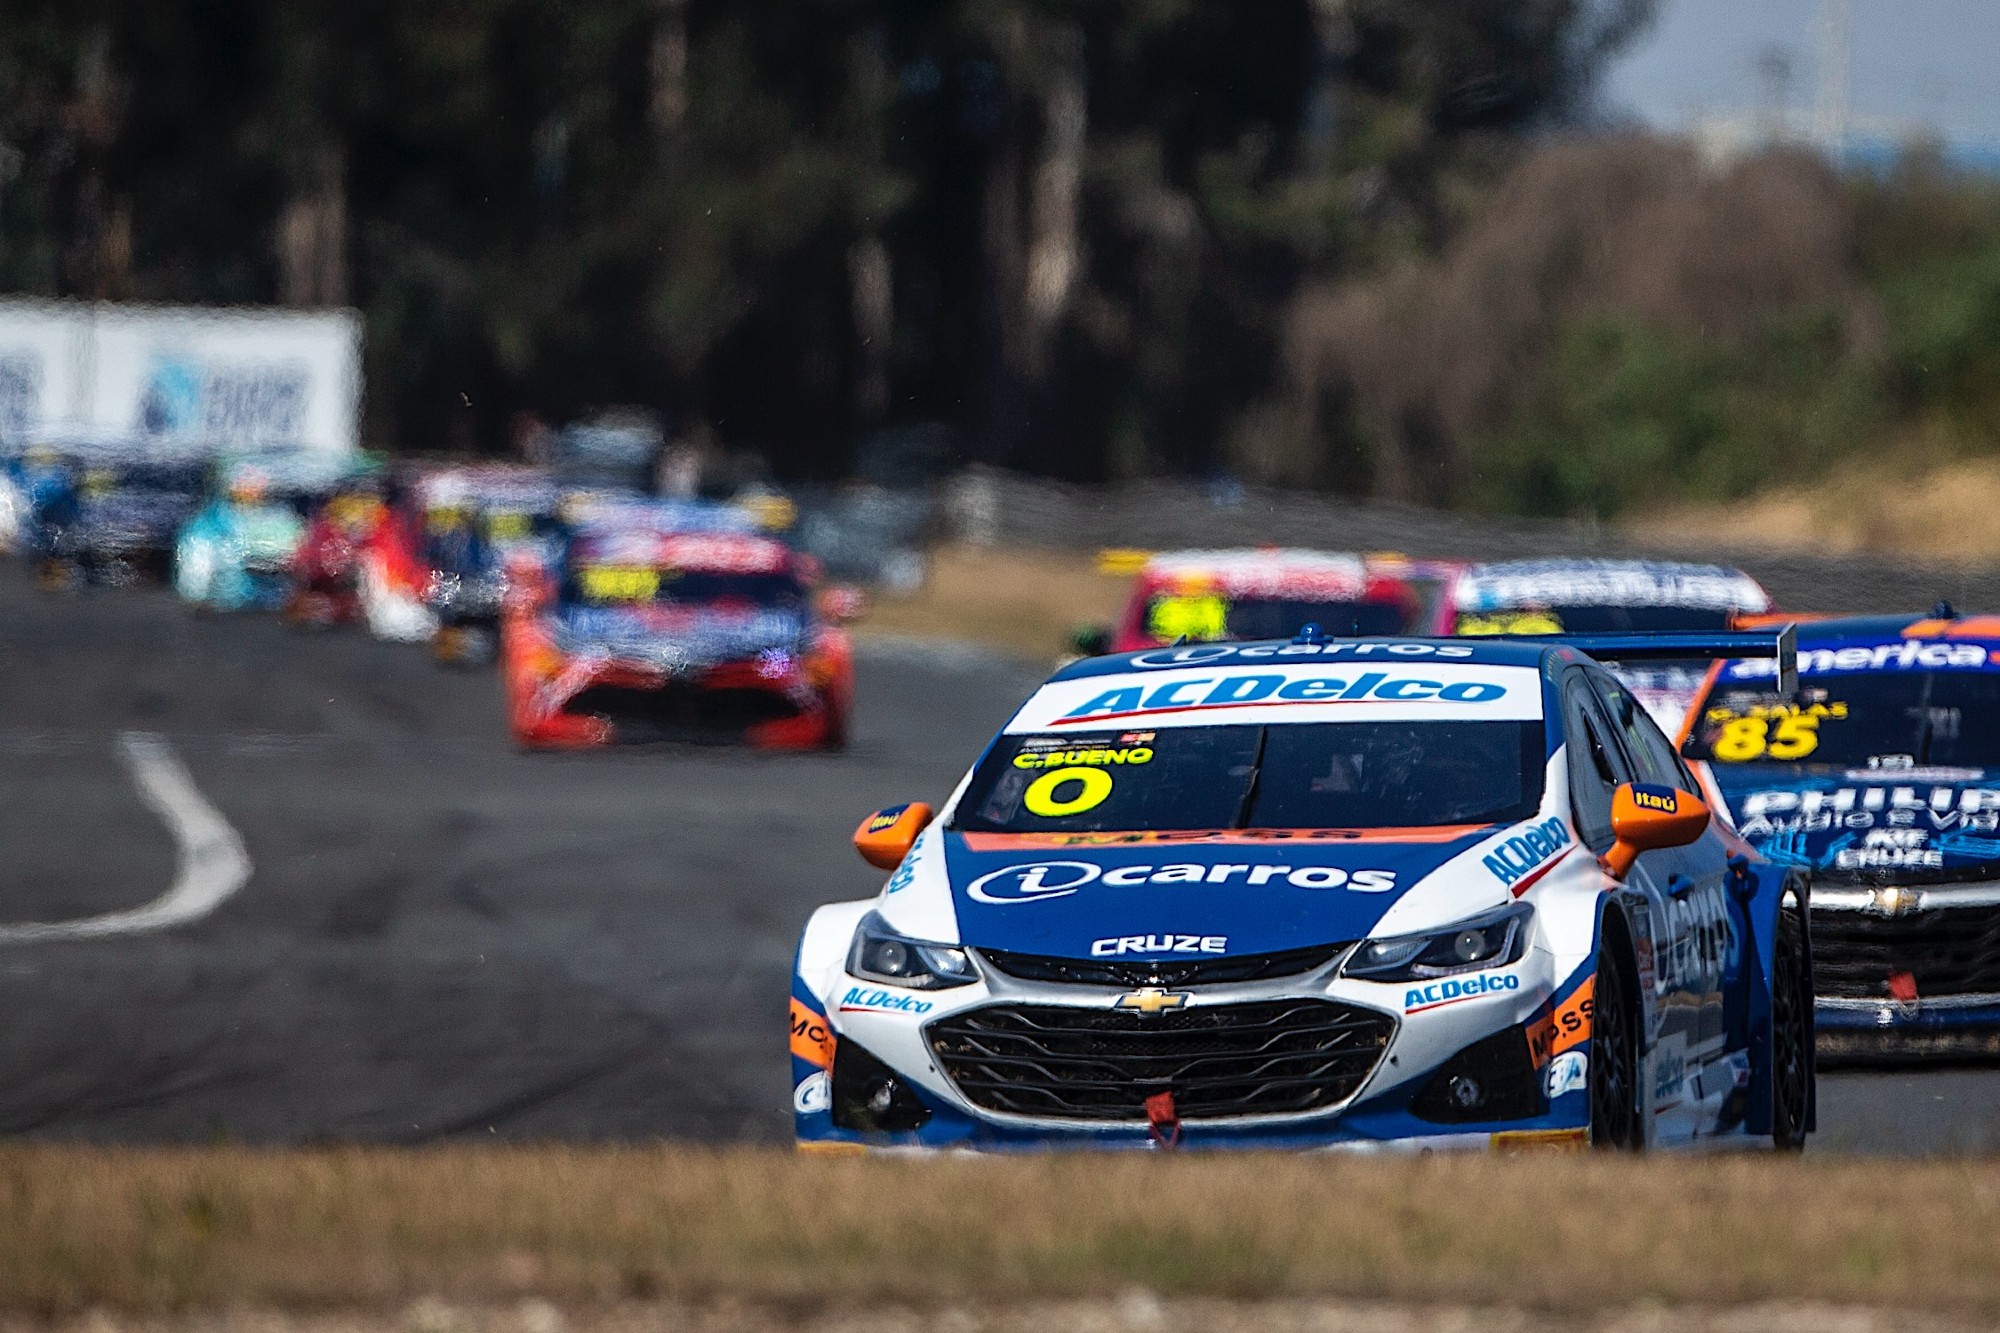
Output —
(213, 864)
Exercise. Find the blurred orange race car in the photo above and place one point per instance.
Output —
(667, 620)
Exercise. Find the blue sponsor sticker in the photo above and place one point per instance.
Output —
(1454, 989)
(875, 1000)
(1525, 852)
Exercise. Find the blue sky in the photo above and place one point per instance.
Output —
(1934, 63)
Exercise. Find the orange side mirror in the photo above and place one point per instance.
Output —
(1645, 818)
(886, 836)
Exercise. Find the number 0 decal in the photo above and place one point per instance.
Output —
(1041, 798)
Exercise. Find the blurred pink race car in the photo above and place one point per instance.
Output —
(1268, 593)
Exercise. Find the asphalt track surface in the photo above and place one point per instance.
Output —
(442, 937)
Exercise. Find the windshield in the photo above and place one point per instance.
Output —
(1334, 775)
(1857, 719)
(1212, 617)
(643, 585)
(176, 480)
(1592, 619)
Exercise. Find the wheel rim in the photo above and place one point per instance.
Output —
(1788, 1037)
(1613, 1064)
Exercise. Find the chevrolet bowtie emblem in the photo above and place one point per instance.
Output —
(1894, 900)
(1150, 1000)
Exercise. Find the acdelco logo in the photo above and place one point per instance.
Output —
(1435, 996)
(1520, 854)
(859, 1000)
(1274, 690)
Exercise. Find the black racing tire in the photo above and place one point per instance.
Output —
(1791, 1035)
(1617, 1123)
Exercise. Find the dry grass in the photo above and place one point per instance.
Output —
(1023, 601)
(165, 1230)
(1135, 1311)
(1947, 513)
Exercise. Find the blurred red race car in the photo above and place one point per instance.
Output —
(665, 620)
(355, 563)
(326, 566)
(1257, 593)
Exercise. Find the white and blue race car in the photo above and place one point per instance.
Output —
(1315, 893)
(1880, 779)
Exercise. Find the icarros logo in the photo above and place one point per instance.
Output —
(1040, 880)
(1032, 883)
(1193, 655)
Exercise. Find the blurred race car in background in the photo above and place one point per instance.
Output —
(1430, 582)
(468, 522)
(108, 512)
(1256, 593)
(1590, 596)
(660, 620)
(1882, 777)
(236, 553)
(1425, 894)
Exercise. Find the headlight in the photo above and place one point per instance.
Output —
(879, 954)
(1492, 939)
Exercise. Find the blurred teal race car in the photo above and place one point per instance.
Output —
(235, 553)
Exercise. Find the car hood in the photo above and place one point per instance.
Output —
(677, 638)
(261, 530)
(1163, 896)
(134, 514)
(1869, 825)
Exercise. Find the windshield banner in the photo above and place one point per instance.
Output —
(1284, 693)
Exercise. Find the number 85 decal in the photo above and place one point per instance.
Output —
(1791, 736)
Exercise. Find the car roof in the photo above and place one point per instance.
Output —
(1505, 583)
(1855, 629)
(1230, 559)
(1294, 652)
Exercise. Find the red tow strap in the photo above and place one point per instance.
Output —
(1163, 1122)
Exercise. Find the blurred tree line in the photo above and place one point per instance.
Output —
(1622, 322)
(1079, 232)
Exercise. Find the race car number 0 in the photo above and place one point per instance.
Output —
(1795, 736)
(1041, 798)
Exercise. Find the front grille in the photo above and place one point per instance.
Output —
(1270, 1057)
(1127, 973)
(677, 711)
(1949, 950)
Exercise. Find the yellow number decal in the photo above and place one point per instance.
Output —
(1202, 619)
(1041, 798)
(1510, 622)
(507, 527)
(1784, 737)
(1742, 739)
(619, 583)
(1794, 737)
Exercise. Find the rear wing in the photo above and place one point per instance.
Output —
(1633, 647)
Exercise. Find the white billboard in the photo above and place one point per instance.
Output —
(181, 375)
